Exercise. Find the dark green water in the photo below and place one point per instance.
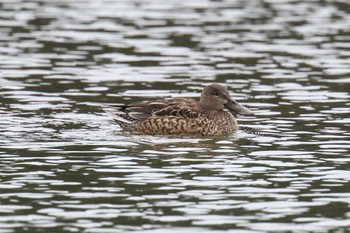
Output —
(66, 167)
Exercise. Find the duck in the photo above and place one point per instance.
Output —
(210, 116)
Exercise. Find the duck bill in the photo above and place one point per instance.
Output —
(236, 107)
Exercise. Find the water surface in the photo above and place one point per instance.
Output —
(66, 167)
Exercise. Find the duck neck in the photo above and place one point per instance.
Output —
(206, 105)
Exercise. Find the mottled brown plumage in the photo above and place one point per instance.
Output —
(181, 116)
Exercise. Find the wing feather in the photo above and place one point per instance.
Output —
(181, 107)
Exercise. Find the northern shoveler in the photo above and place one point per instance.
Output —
(182, 116)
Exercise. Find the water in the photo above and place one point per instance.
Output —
(66, 167)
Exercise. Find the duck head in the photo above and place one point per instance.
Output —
(216, 97)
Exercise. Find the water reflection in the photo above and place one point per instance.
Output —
(66, 167)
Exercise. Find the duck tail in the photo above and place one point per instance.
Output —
(118, 116)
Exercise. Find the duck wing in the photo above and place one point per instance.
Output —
(180, 107)
(140, 111)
